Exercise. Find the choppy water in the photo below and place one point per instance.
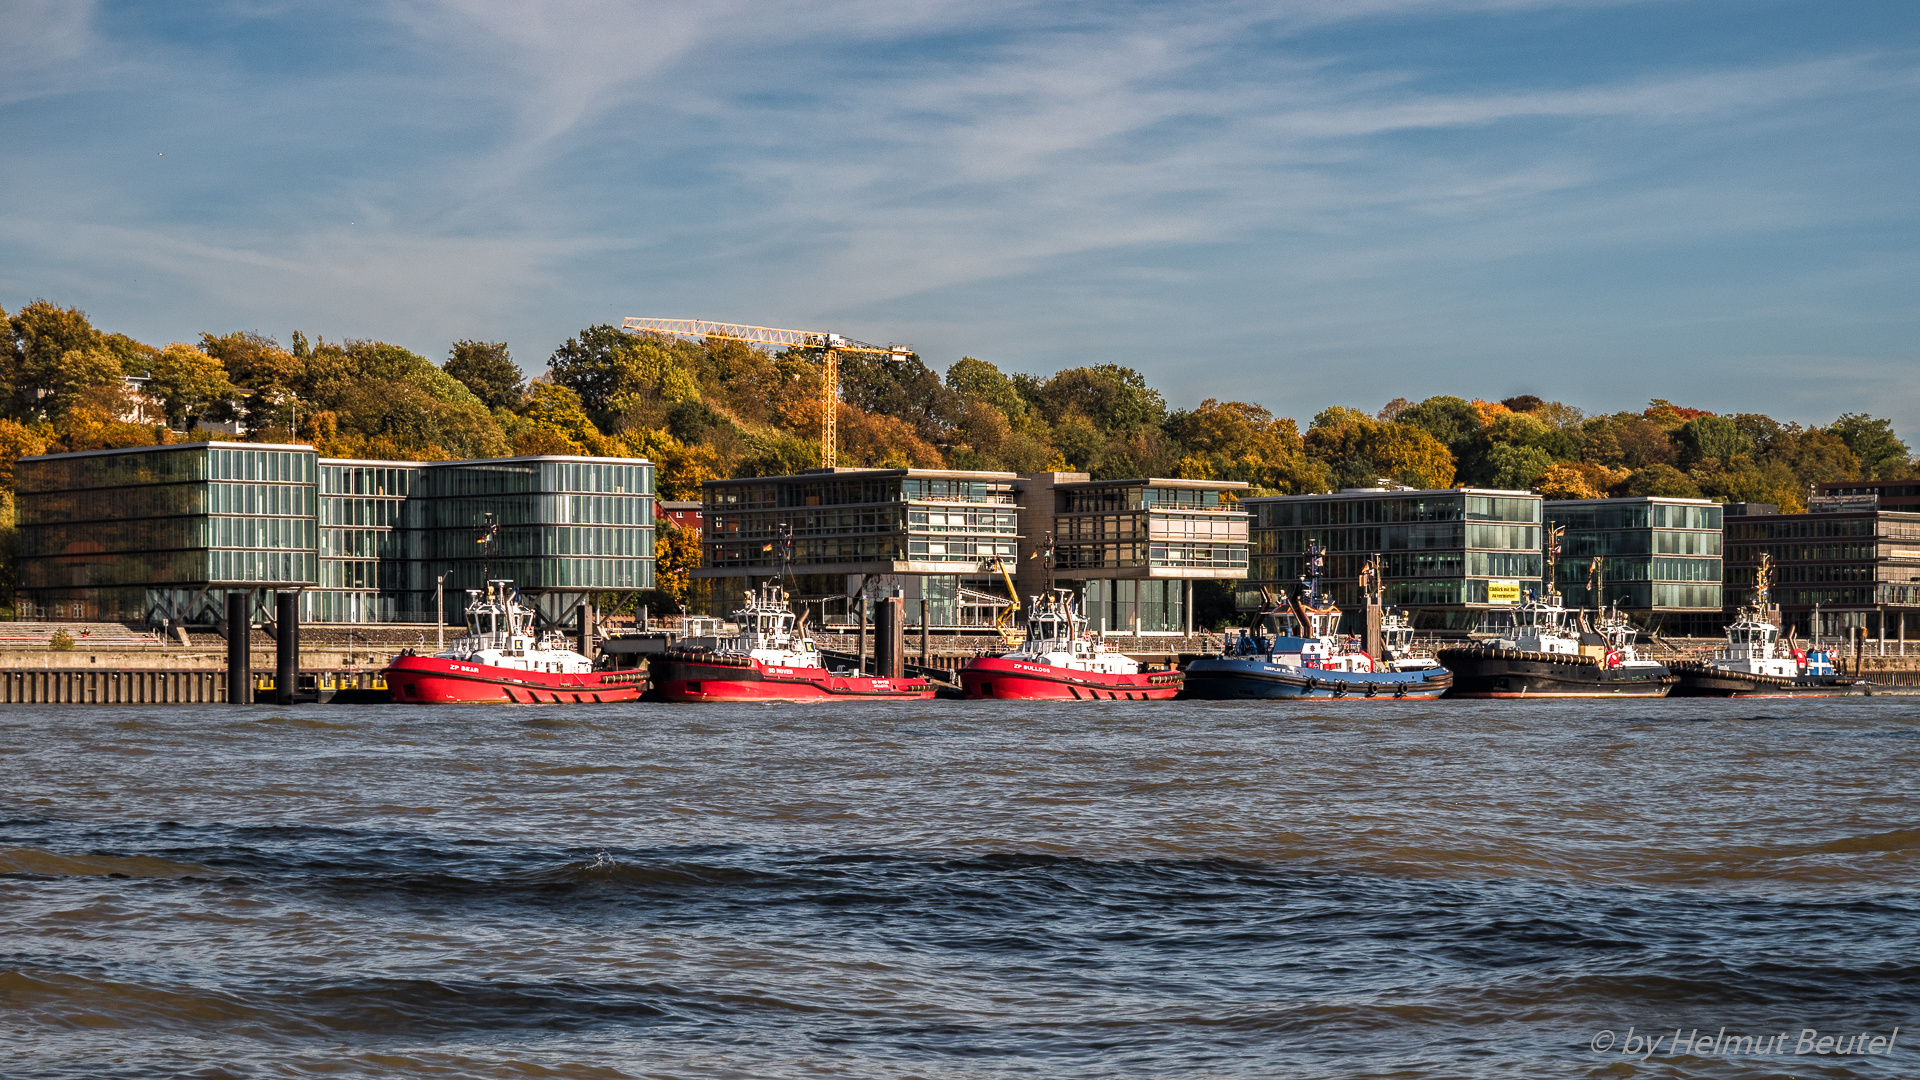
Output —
(945, 889)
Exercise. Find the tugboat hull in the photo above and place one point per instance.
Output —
(1704, 680)
(433, 680)
(1235, 679)
(1021, 680)
(1511, 673)
(710, 678)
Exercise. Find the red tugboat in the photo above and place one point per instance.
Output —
(502, 659)
(1060, 661)
(768, 662)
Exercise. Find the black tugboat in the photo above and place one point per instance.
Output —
(1544, 654)
(1755, 664)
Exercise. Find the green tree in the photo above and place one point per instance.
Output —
(1452, 420)
(904, 389)
(1710, 437)
(589, 365)
(1662, 480)
(486, 368)
(1512, 467)
(980, 381)
(78, 374)
(44, 336)
(189, 384)
(1815, 456)
(1115, 399)
(1882, 455)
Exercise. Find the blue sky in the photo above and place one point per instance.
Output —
(1296, 203)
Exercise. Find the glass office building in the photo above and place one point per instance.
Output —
(1441, 549)
(1832, 572)
(164, 532)
(928, 533)
(1660, 560)
(1134, 548)
(364, 554)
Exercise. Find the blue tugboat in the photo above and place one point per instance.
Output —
(1293, 650)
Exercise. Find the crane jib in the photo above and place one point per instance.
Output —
(830, 347)
(761, 335)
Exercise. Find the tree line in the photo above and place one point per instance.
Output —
(716, 408)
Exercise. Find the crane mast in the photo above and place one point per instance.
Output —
(829, 346)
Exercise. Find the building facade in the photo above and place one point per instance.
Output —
(839, 534)
(1442, 549)
(1660, 560)
(162, 534)
(953, 539)
(1903, 495)
(1832, 572)
(1133, 549)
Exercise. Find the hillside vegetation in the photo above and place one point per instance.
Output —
(710, 409)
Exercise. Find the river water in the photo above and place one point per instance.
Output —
(948, 889)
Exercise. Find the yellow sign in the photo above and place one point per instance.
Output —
(1503, 592)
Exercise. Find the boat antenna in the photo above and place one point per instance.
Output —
(1045, 555)
(1554, 533)
(1316, 562)
(489, 530)
(1597, 583)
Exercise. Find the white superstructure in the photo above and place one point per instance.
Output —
(500, 634)
(1057, 637)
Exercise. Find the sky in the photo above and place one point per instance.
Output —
(1295, 202)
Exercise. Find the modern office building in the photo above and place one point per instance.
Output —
(1442, 549)
(1832, 571)
(842, 533)
(1660, 560)
(162, 534)
(952, 538)
(1868, 495)
(1133, 548)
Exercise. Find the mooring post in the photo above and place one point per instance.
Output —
(239, 648)
(860, 617)
(890, 638)
(286, 647)
(924, 647)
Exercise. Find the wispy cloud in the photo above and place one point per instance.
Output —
(1307, 180)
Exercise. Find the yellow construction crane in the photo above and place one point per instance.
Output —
(829, 346)
(1001, 624)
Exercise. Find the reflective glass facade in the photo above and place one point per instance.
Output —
(1133, 528)
(1856, 567)
(164, 532)
(139, 535)
(925, 532)
(1661, 559)
(1440, 548)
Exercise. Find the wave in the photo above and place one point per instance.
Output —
(40, 863)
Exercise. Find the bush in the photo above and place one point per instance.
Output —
(61, 641)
